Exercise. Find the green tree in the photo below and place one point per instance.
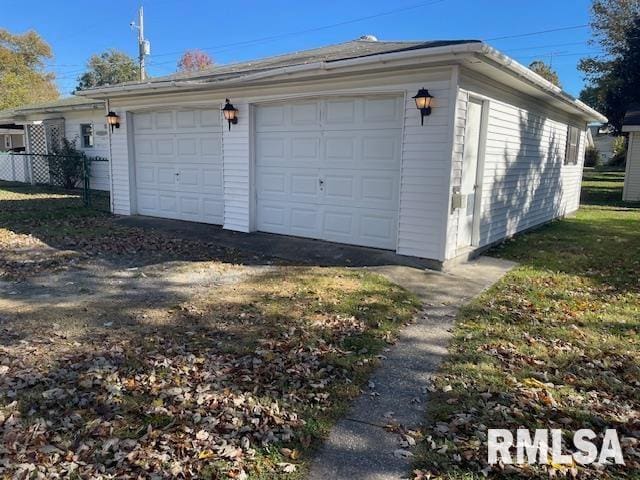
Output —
(545, 71)
(22, 76)
(108, 68)
(613, 78)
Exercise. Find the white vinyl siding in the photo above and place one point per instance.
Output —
(122, 167)
(236, 148)
(525, 180)
(632, 174)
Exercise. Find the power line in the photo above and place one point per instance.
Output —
(540, 32)
(309, 30)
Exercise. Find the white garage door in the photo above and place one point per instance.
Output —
(178, 164)
(330, 168)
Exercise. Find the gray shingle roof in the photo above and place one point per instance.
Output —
(632, 117)
(342, 51)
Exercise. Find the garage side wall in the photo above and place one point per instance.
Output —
(525, 181)
(632, 175)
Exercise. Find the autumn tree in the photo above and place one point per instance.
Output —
(545, 71)
(613, 77)
(22, 76)
(108, 68)
(194, 61)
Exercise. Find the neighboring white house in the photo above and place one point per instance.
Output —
(603, 141)
(631, 124)
(11, 137)
(76, 118)
(329, 145)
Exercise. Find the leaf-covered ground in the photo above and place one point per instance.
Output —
(556, 344)
(240, 378)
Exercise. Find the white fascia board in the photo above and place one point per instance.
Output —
(533, 78)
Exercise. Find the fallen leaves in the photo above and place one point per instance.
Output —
(190, 400)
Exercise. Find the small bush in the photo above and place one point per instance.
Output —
(592, 157)
(66, 166)
(619, 157)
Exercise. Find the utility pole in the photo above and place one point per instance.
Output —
(144, 47)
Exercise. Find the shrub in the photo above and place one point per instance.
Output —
(619, 157)
(66, 166)
(592, 157)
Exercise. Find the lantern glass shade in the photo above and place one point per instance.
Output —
(423, 99)
(113, 119)
(229, 112)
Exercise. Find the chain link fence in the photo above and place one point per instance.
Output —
(81, 177)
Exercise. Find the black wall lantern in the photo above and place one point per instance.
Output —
(230, 113)
(113, 120)
(423, 103)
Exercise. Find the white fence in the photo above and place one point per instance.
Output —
(15, 168)
(33, 169)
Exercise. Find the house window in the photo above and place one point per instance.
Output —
(7, 142)
(86, 134)
(573, 144)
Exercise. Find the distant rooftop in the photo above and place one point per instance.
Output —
(67, 103)
(632, 116)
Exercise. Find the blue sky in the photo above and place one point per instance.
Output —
(231, 30)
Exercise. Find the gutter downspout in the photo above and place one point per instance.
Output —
(111, 195)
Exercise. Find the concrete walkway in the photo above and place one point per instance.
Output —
(358, 446)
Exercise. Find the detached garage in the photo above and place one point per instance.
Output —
(330, 144)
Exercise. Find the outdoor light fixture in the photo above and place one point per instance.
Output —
(230, 113)
(423, 103)
(113, 120)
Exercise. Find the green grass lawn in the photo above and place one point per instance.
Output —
(555, 344)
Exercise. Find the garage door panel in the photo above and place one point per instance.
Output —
(210, 118)
(305, 148)
(377, 227)
(143, 146)
(385, 110)
(304, 221)
(179, 164)
(186, 119)
(379, 188)
(211, 146)
(166, 177)
(340, 112)
(163, 121)
(142, 122)
(339, 188)
(164, 147)
(304, 184)
(305, 114)
(212, 179)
